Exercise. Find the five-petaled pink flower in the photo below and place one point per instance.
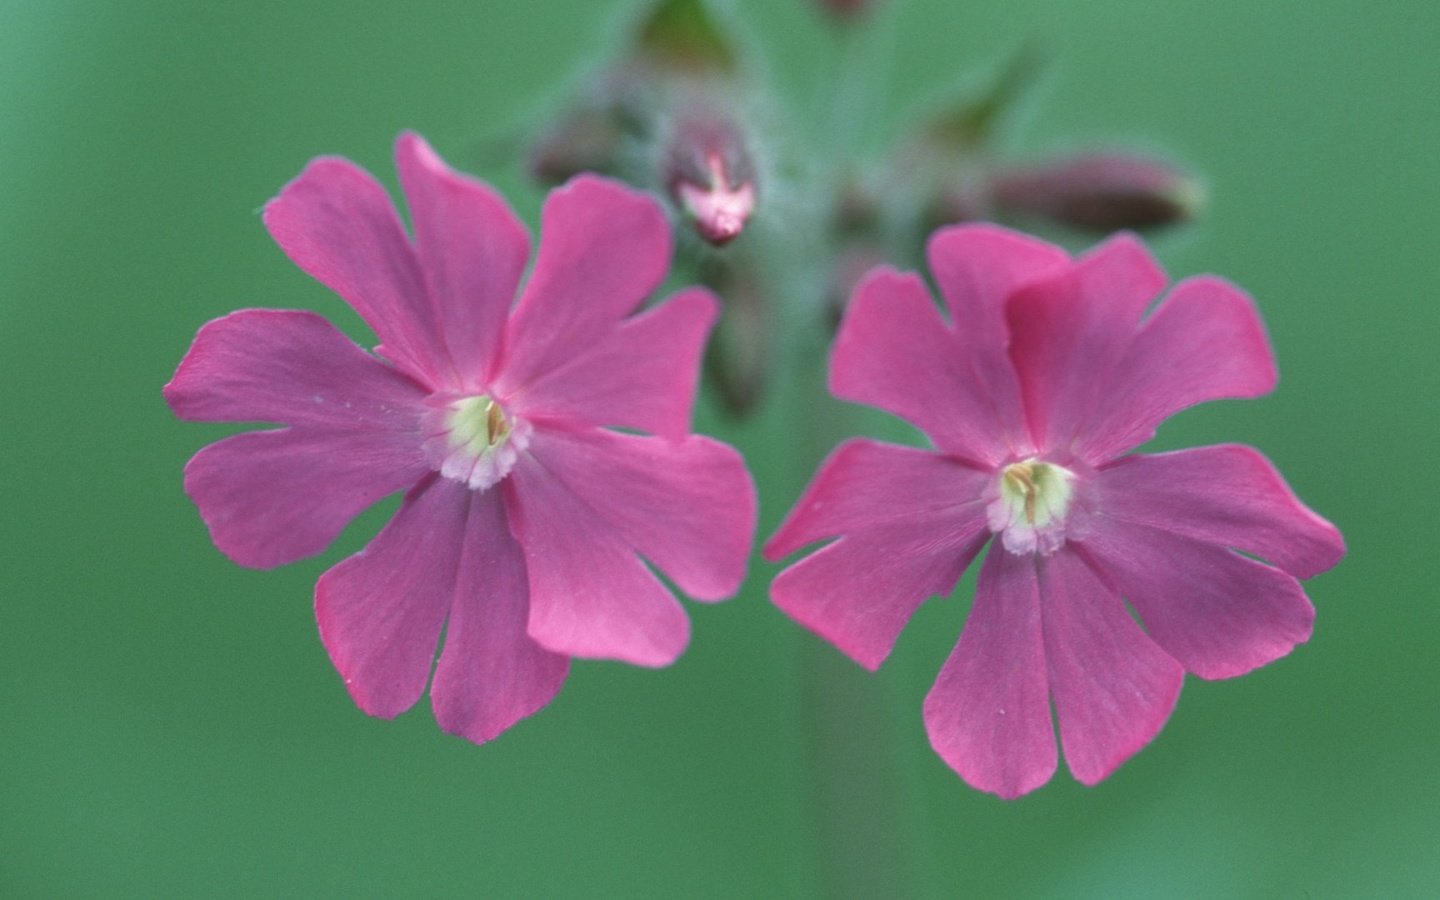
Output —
(1046, 374)
(527, 512)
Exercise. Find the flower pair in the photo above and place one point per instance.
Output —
(529, 514)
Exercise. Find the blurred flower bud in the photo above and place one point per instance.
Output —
(709, 175)
(681, 35)
(1100, 192)
(585, 140)
(737, 357)
(846, 11)
(598, 131)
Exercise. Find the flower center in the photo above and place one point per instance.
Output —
(472, 440)
(1029, 511)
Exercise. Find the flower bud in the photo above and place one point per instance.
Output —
(681, 35)
(846, 11)
(710, 177)
(1098, 192)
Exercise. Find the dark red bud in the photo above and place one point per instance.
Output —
(710, 177)
(1101, 192)
(846, 11)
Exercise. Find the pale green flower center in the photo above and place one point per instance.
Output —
(1029, 513)
(474, 441)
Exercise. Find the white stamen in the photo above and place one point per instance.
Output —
(473, 441)
(1030, 509)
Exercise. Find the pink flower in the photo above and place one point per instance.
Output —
(525, 515)
(1045, 376)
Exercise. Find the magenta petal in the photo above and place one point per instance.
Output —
(1068, 334)
(473, 250)
(603, 249)
(1113, 687)
(590, 595)
(1217, 612)
(859, 592)
(290, 367)
(988, 714)
(978, 267)
(337, 223)
(688, 506)
(1204, 342)
(894, 352)
(272, 497)
(491, 674)
(909, 523)
(866, 484)
(381, 610)
(641, 374)
(1228, 495)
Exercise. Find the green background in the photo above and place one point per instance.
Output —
(171, 725)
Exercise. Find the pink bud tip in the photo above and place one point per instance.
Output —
(719, 209)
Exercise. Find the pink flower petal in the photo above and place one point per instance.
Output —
(1217, 612)
(894, 352)
(641, 374)
(337, 223)
(688, 506)
(858, 592)
(272, 497)
(866, 484)
(590, 595)
(1204, 342)
(909, 523)
(491, 674)
(603, 249)
(978, 267)
(1069, 333)
(1230, 496)
(1113, 687)
(473, 251)
(988, 714)
(285, 366)
(380, 611)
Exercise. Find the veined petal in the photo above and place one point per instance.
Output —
(977, 267)
(473, 251)
(640, 374)
(1113, 687)
(988, 714)
(864, 484)
(380, 611)
(1204, 342)
(688, 506)
(290, 367)
(1217, 612)
(272, 497)
(491, 674)
(894, 352)
(337, 223)
(1069, 332)
(909, 523)
(590, 595)
(859, 592)
(603, 249)
(1228, 495)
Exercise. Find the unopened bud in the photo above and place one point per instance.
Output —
(846, 11)
(585, 140)
(682, 35)
(1099, 192)
(710, 177)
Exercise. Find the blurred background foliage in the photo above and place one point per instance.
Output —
(171, 725)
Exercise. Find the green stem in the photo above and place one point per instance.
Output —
(858, 790)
